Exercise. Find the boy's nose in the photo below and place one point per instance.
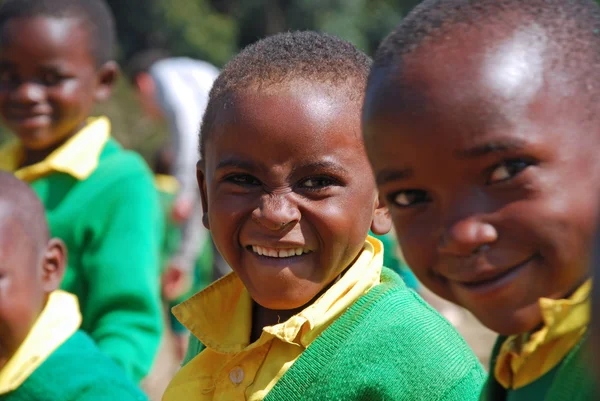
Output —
(29, 92)
(276, 212)
(467, 236)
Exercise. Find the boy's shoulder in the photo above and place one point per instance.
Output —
(389, 344)
(77, 371)
(571, 379)
(115, 160)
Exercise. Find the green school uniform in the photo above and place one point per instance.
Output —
(570, 380)
(77, 371)
(101, 201)
(389, 345)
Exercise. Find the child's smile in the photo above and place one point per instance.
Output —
(288, 189)
(485, 184)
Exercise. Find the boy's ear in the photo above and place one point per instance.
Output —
(107, 76)
(382, 221)
(201, 177)
(53, 265)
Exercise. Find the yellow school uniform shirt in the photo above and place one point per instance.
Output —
(525, 358)
(77, 157)
(59, 320)
(231, 368)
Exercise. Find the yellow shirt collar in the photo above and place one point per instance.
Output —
(525, 358)
(77, 157)
(58, 321)
(221, 315)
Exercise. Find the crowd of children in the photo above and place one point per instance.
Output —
(473, 131)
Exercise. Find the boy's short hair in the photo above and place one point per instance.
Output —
(95, 14)
(306, 55)
(25, 206)
(572, 27)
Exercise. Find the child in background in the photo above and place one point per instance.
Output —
(55, 64)
(43, 355)
(309, 312)
(168, 186)
(481, 123)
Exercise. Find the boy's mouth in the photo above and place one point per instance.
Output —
(278, 252)
(495, 280)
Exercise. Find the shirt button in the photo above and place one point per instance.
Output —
(236, 375)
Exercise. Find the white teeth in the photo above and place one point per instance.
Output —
(278, 253)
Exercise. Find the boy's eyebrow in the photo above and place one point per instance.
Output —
(490, 147)
(236, 163)
(389, 175)
(321, 165)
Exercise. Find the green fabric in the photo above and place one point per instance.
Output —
(536, 390)
(571, 380)
(393, 261)
(389, 345)
(111, 224)
(172, 231)
(77, 371)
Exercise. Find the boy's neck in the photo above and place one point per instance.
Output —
(33, 156)
(263, 317)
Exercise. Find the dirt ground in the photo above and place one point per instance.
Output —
(478, 337)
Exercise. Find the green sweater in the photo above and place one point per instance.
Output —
(389, 345)
(571, 380)
(76, 371)
(111, 224)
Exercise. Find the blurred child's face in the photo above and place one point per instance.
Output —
(49, 80)
(21, 294)
(489, 173)
(288, 190)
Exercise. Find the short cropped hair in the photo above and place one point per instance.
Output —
(96, 16)
(571, 27)
(286, 57)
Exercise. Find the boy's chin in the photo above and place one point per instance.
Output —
(507, 323)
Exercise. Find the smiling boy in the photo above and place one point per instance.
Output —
(480, 123)
(56, 62)
(309, 312)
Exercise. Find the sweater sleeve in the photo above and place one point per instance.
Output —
(121, 266)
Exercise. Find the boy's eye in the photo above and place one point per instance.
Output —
(7, 77)
(242, 179)
(408, 198)
(507, 170)
(51, 79)
(317, 183)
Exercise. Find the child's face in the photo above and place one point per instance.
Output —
(286, 174)
(29, 271)
(490, 176)
(21, 295)
(49, 80)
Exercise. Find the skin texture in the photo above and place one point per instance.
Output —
(287, 169)
(49, 81)
(31, 267)
(480, 157)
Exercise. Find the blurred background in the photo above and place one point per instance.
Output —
(215, 30)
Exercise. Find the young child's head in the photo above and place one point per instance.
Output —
(287, 189)
(138, 71)
(481, 123)
(31, 265)
(55, 64)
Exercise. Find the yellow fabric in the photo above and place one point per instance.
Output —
(166, 183)
(77, 157)
(232, 369)
(525, 358)
(59, 320)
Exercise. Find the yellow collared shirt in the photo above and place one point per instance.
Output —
(231, 368)
(59, 320)
(525, 358)
(77, 157)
